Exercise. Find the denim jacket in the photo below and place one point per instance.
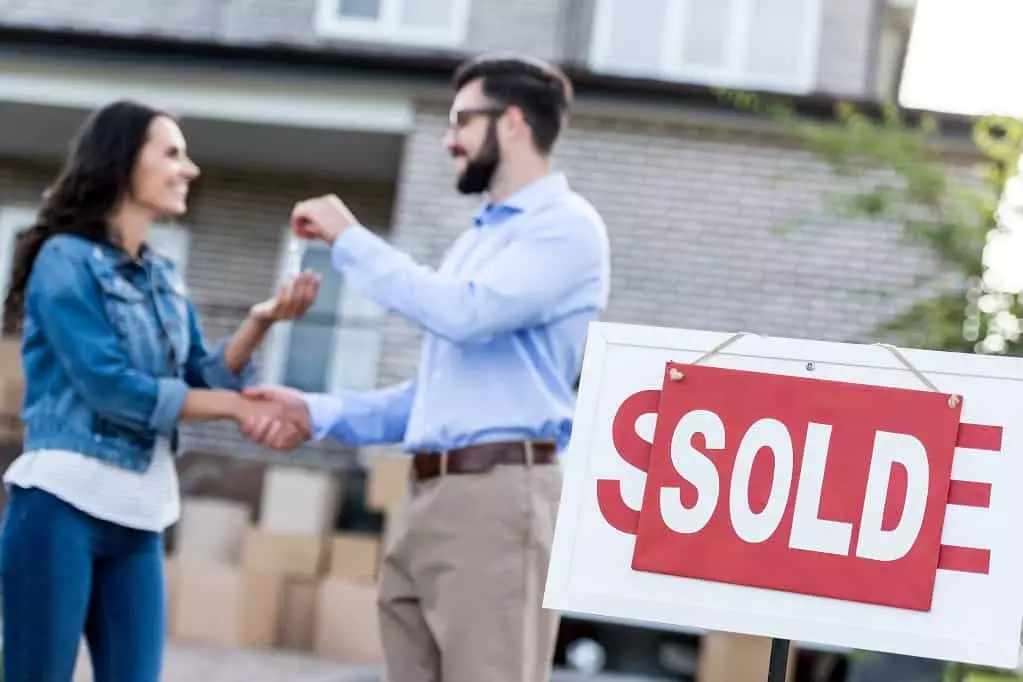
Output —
(110, 347)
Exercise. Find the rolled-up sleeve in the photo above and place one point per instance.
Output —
(208, 368)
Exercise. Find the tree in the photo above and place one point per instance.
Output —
(972, 226)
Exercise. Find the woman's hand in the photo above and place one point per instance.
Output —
(292, 300)
(271, 423)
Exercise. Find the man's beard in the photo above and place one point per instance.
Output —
(479, 171)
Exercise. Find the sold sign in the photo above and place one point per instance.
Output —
(810, 486)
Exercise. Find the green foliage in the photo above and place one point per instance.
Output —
(899, 173)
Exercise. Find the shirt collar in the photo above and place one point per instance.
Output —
(119, 257)
(532, 196)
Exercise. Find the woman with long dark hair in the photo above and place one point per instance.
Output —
(114, 360)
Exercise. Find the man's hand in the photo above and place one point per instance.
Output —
(323, 218)
(285, 426)
(292, 300)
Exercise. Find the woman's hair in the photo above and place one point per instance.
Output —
(96, 176)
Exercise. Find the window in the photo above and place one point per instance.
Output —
(755, 44)
(13, 221)
(428, 22)
(171, 241)
(335, 346)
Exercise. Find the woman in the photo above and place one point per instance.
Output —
(113, 360)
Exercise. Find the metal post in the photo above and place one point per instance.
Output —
(778, 667)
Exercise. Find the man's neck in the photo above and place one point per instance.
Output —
(509, 180)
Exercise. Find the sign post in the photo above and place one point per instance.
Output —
(847, 495)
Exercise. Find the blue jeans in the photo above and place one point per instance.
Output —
(64, 573)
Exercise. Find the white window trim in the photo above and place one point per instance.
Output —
(330, 23)
(278, 343)
(177, 239)
(13, 219)
(730, 76)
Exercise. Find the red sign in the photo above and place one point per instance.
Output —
(804, 485)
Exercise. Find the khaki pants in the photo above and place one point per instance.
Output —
(463, 575)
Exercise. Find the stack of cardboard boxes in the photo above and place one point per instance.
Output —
(12, 388)
(289, 580)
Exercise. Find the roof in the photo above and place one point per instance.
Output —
(436, 66)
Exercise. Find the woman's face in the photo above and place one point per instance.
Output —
(163, 171)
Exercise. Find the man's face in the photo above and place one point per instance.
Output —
(471, 139)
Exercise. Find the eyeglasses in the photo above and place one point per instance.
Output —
(462, 117)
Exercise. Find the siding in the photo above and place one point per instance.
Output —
(525, 25)
(550, 29)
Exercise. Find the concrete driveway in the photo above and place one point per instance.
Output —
(188, 663)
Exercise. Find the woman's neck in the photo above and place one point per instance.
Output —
(129, 226)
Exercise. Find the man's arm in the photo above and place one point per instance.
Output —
(362, 418)
(358, 418)
(518, 288)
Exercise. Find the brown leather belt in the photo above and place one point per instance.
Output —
(478, 459)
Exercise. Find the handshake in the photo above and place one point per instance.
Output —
(275, 417)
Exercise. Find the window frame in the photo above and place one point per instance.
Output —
(13, 219)
(733, 74)
(329, 23)
(180, 236)
(278, 344)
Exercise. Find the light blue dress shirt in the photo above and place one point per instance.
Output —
(504, 318)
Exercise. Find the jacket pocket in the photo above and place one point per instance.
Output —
(126, 309)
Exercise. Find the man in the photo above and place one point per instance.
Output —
(505, 319)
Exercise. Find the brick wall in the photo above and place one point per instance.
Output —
(236, 223)
(697, 222)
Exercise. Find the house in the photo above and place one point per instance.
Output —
(283, 99)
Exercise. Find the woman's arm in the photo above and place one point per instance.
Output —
(229, 365)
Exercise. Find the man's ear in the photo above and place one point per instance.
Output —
(515, 121)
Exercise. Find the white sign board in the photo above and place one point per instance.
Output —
(845, 495)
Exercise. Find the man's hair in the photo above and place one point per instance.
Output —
(542, 91)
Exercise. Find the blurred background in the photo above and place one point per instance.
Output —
(836, 169)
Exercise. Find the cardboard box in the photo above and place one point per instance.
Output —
(293, 556)
(227, 606)
(299, 501)
(347, 626)
(10, 359)
(211, 530)
(12, 390)
(387, 483)
(728, 657)
(355, 557)
(297, 625)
